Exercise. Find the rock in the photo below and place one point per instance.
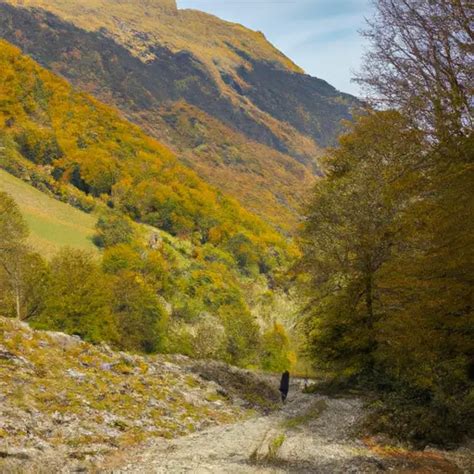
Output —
(64, 340)
(16, 359)
(16, 453)
(75, 374)
(105, 348)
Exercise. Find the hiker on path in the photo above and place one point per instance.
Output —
(284, 385)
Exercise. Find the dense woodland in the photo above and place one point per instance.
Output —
(388, 240)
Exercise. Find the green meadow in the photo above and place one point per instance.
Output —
(53, 224)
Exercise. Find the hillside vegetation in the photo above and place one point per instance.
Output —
(192, 274)
(389, 237)
(77, 140)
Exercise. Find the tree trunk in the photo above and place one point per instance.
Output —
(18, 304)
(369, 301)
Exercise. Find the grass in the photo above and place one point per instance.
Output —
(106, 405)
(312, 413)
(271, 455)
(52, 224)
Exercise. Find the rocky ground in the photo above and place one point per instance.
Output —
(67, 406)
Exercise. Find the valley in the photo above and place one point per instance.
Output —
(186, 214)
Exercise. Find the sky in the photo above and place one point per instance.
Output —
(321, 36)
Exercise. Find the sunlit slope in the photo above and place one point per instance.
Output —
(251, 84)
(160, 21)
(52, 224)
(82, 143)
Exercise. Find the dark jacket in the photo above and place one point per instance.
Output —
(285, 383)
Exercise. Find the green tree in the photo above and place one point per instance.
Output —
(24, 285)
(78, 299)
(14, 258)
(139, 312)
(354, 221)
(113, 229)
(419, 63)
(275, 349)
(13, 228)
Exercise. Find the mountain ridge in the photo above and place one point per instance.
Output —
(270, 112)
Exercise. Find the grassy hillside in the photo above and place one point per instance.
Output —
(52, 224)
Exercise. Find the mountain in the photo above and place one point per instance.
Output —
(231, 105)
(75, 140)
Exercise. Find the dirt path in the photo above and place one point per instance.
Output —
(309, 434)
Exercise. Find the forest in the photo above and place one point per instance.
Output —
(387, 266)
(209, 260)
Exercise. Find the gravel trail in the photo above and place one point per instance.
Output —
(309, 434)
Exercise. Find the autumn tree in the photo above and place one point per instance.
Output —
(276, 349)
(24, 284)
(354, 220)
(420, 60)
(141, 319)
(388, 240)
(23, 275)
(113, 229)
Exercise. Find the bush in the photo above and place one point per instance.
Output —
(113, 229)
(140, 316)
(275, 349)
(422, 418)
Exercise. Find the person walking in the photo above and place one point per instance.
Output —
(284, 385)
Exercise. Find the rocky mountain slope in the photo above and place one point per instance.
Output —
(66, 404)
(219, 94)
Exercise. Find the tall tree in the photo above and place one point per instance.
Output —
(421, 60)
(79, 298)
(18, 269)
(354, 221)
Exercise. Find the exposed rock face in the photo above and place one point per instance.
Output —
(66, 402)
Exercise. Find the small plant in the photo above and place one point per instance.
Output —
(271, 455)
(312, 413)
(274, 446)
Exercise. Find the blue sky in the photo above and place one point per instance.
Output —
(321, 36)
